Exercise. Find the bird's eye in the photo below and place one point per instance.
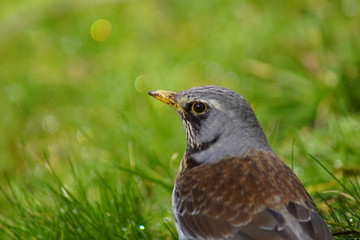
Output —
(198, 107)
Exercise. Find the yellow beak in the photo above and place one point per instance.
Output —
(166, 97)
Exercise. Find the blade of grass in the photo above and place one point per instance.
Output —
(147, 177)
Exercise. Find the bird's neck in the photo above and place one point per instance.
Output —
(234, 144)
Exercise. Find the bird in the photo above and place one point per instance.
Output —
(230, 184)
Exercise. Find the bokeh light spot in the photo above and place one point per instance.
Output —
(350, 8)
(50, 124)
(213, 70)
(16, 93)
(101, 30)
(338, 163)
(140, 83)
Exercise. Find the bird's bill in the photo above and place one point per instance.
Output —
(166, 97)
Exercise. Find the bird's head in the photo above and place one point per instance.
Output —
(218, 122)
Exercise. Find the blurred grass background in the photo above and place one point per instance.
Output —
(86, 154)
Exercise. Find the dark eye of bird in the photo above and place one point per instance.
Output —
(198, 107)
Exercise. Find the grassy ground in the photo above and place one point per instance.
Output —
(86, 154)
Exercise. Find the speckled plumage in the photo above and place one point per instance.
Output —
(230, 184)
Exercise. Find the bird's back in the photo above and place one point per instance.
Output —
(254, 196)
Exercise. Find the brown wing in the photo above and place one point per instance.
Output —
(255, 196)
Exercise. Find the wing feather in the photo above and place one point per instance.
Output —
(255, 196)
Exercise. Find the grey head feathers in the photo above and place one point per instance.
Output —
(228, 124)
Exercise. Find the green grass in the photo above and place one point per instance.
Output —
(86, 154)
